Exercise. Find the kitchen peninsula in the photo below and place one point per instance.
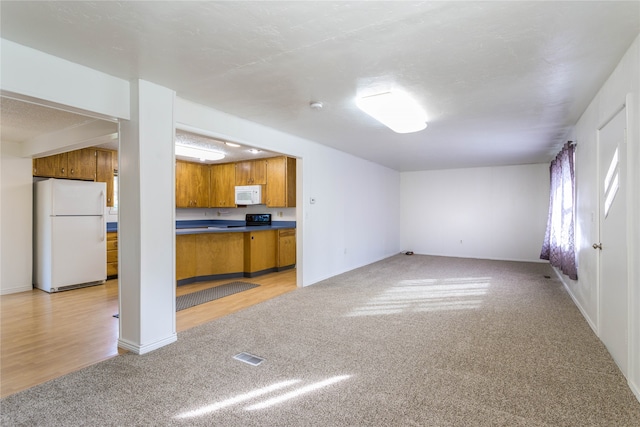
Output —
(213, 250)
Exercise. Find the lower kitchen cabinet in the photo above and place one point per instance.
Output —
(286, 248)
(208, 256)
(185, 256)
(259, 251)
(112, 255)
(219, 253)
(212, 256)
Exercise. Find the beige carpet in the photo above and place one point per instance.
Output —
(408, 341)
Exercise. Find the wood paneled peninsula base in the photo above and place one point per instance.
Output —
(247, 252)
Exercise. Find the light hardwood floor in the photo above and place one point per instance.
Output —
(44, 336)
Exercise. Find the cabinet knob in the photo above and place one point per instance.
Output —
(72, 171)
(62, 170)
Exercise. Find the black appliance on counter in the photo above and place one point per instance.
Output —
(258, 219)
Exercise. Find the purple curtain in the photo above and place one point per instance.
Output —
(559, 242)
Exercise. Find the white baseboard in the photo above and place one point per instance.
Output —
(16, 289)
(142, 349)
(635, 389)
(576, 302)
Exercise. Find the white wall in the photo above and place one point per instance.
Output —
(30, 73)
(623, 81)
(15, 220)
(491, 212)
(355, 219)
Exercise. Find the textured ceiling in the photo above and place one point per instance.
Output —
(22, 121)
(502, 82)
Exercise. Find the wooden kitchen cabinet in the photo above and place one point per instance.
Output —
(185, 256)
(199, 257)
(51, 166)
(112, 254)
(251, 172)
(219, 254)
(223, 181)
(260, 249)
(286, 248)
(192, 185)
(281, 182)
(105, 171)
(81, 164)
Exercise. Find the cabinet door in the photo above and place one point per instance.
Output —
(45, 166)
(51, 166)
(81, 164)
(281, 182)
(286, 247)
(259, 172)
(200, 185)
(192, 185)
(251, 172)
(243, 173)
(105, 171)
(183, 193)
(185, 256)
(223, 181)
(112, 255)
(260, 251)
(276, 183)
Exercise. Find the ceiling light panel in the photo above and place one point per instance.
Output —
(199, 153)
(396, 110)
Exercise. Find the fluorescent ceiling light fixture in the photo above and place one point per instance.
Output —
(396, 110)
(232, 144)
(198, 152)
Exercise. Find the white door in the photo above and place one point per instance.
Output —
(613, 289)
(78, 250)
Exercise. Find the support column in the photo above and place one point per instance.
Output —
(146, 220)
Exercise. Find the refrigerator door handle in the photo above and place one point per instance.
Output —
(104, 219)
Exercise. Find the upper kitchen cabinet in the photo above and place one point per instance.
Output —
(192, 185)
(77, 164)
(281, 182)
(106, 165)
(89, 164)
(51, 166)
(223, 181)
(251, 172)
(81, 164)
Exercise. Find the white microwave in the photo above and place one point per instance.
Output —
(248, 194)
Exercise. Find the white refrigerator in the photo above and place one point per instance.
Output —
(70, 249)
